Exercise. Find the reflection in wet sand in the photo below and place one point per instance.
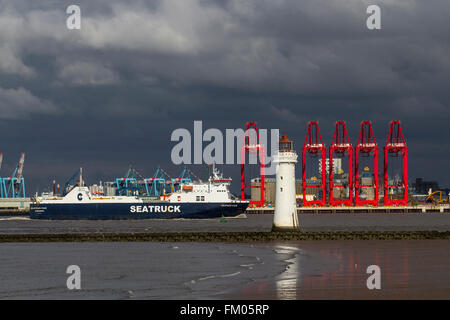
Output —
(410, 269)
(288, 281)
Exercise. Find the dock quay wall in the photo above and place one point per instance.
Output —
(14, 206)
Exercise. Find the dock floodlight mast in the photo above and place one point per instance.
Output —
(341, 145)
(315, 147)
(366, 146)
(396, 146)
(254, 148)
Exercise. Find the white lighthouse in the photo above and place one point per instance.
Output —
(285, 217)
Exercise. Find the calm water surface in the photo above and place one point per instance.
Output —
(261, 222)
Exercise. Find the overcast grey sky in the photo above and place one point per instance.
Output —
(110, 94)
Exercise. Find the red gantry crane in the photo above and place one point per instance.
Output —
(314, 147)
(395, 146)
(367, 147)
(341, 146)
(254, 148)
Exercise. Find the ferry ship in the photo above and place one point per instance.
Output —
(195, 200)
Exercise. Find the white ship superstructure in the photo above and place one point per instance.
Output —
(214, 191)
(193, 200)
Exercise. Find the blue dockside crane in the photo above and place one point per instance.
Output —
(156, 185)
(70, 183)
(2, 186)
(128, 185)
(14, 186)
(185, 177)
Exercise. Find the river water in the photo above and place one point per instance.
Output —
(259, 222)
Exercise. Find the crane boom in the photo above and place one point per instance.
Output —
(20, 166)
(1, 159)
(193, 174)
(70, 181)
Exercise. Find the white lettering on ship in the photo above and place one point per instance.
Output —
(152, 209)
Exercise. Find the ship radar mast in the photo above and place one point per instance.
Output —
(217, 176)
(216, 173)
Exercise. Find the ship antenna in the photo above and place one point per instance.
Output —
(81, 177)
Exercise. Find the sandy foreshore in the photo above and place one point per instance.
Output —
(409, 269)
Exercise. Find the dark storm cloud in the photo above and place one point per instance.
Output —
(111, 94)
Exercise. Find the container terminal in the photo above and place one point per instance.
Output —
(335, 179)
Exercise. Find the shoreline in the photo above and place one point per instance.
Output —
(226, 236)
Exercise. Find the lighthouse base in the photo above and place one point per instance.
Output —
(284, 228)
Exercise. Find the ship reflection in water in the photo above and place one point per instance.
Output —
(410, 269)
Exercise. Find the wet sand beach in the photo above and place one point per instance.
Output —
(410, 269)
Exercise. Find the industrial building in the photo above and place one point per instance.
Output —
(422, 187)
(311, 193)
(269, 190)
